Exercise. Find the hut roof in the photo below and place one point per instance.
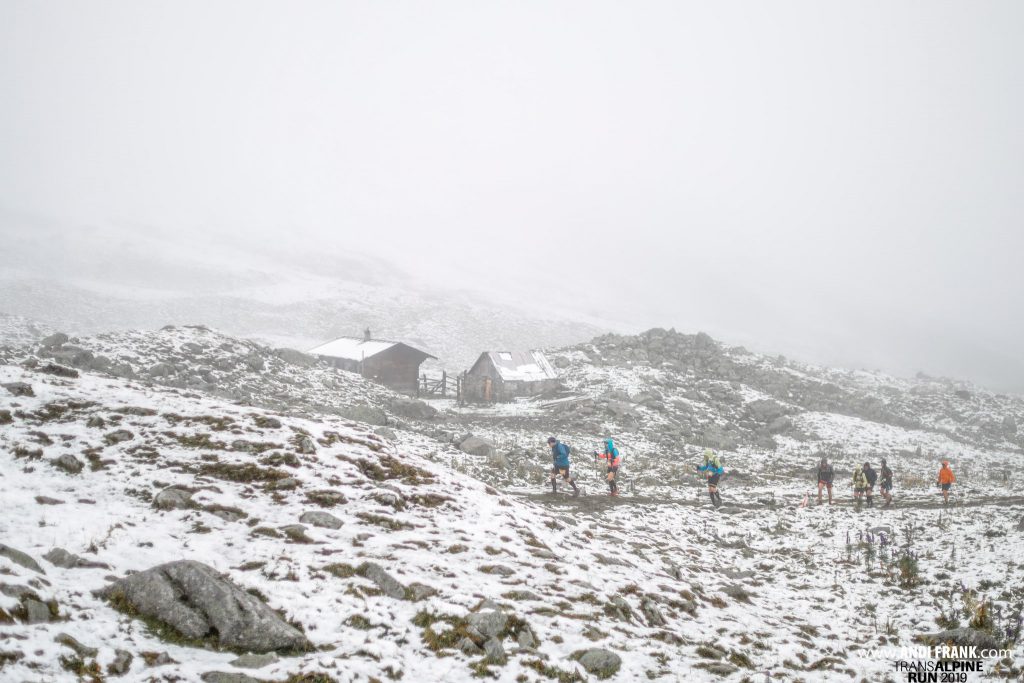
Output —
(359, 348)
(522, 366)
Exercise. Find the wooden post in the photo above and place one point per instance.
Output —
(444, 383)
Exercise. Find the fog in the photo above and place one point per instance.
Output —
(839, 182)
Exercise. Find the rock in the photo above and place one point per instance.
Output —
(46, 500)
(56, 339)
(721, 668)
(5, 417)
(494, 652)
(36, 612)
(19, 388)
(96, 422)
(469, 648)
(779, 425)
(254, 661)
(1009, 425)
(296, 533)
(499, 569)
(20, 558)
(324, 520)
(82, 651)
(266, 422)
(224, 677)
(474, 445)
(413, 408)
(326, 498)
(254, 362)
(198, 603)
(173, 498)
(962, 637)
(305, 445)
(118, 436)
(59, 370)
(420, 591)
(161, 370)
(69, 464)
(293, 357)
(526, 638)
(364, 413)
(652, 613)
(59, 557)
(387, 433)
(157, 659)
(620, 609)
(122, 663)
(602, 663)
(387, 583)
(486, 625)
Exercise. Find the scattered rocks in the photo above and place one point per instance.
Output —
(293, 357)
(199, 604)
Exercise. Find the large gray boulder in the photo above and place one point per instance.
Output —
(474, 445)
(321, 519)
(200, 604)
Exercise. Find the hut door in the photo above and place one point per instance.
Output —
(487, 389)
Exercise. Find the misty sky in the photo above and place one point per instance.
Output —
(839, 181)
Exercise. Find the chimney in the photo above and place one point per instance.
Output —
(366, 334)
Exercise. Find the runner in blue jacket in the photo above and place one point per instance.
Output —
(560, 456)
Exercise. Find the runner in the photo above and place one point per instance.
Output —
(825, 476)
(885, 487)
(860, 485)
(713, 470)
(946, 479)
(560, 455)
(871, 477)
(611, 454)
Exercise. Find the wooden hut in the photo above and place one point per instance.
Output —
(504, 375)
(393, 364)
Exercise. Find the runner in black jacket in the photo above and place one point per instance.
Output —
(872, 477)
(825, 476)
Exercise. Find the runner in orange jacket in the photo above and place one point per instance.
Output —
(946, 479)
(611, 454)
